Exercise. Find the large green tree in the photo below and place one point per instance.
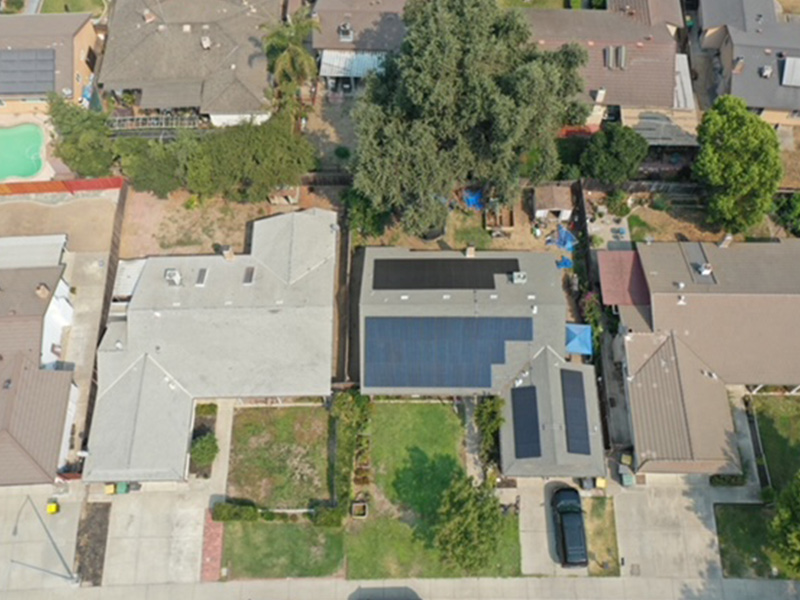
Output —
(150, 165)
(786, 528)
(464, 97)
(288, 59)
(468, 525)
(83, 139)
(614, 154)
(739, 162)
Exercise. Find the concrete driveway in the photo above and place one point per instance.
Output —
(28, 558)
(155, 537)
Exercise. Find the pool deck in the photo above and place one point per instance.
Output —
(48, 172)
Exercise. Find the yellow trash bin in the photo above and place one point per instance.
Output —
(52, 507)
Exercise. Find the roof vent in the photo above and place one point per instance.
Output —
(205, 42)
(704, 269)
(738, 64)
(765, 71)
(43, 291)
(148, 16)
(7, 384)
(172, 277)
(187, 28)
(768, 51)
(681, 300)
(118, 344)
(227, 252)
(519, 277)
(162, 27)
(346, 32)
(469, 251)
(681, 285)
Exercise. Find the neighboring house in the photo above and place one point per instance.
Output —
(446, 324)
(258, 325)
(354, 37)
(40, 54)
(552, 201)
(38, 399)
(201, 56)
(695, 317)
(634, 73)
(758, 55)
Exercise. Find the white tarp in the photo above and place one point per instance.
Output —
(345, 63)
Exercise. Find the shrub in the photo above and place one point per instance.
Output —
(204, 450)
(660, 203)
(785, 528)
(597, 241)
(329, 516)
(229, 511)
(342, 152)
(489, 419)
(768, 495)
(728, 479)
(617, 203)
(362, 216)
(206, 410)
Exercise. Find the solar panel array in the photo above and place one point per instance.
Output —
(438, 352)
(575, 415)
(27, 71)
(525, 411)
(440, 274)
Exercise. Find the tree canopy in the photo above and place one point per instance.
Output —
(461, 101)
(739, 162)
(288, 60)
(614, 154)
(786, 528)
(469, 523)
(84, 139)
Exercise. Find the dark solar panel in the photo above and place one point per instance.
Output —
(440, 274)
(27, 71)
(525, 412)
(575, 415)
(438, 352)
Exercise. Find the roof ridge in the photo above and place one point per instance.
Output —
(653, 353)
(24, 452)
(683, 395)
(168, 374)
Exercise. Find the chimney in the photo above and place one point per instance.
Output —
(43, 291)
(227, 253)
(469, 251)
(148, 16)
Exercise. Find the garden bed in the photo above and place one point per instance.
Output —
(601, 534)
(205, 422)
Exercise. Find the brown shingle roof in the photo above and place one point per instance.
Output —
(649, 12)
(377, 26)
(552, 197)
(622, 280)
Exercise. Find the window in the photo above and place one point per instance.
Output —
(91, 59)
(249, 275)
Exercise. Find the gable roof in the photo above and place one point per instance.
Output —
(259, 325)
(37, 53)
(377, 26)
(648, 79)
(673, 398)
(157, 47)
(649, 12)
(622, 280)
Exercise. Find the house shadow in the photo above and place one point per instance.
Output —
(384, 593)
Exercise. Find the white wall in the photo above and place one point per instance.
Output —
(227, 120)
(58, 316)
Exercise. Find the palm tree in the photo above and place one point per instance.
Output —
(289, 61)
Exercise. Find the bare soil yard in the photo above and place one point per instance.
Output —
(91, 545)
(791, 159)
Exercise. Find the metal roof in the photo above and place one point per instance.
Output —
(347, 63)
(791, 72)
(31, 251)
(27, 71)
(222, 339)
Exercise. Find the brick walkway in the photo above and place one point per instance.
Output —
(213, 534)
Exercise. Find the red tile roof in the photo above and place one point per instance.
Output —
(622, 279)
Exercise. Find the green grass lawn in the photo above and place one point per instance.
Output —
(743, 532)
(416, 449)
(262, 550)
(601, 533)
(475, 236)
(548, 4)
(779, 425)
(75, 6)
(279, 456)
(639, 228)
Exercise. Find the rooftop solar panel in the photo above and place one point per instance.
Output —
(27, 71)
(438, 352)
(575, 416)
(440, 274)
(525, 411)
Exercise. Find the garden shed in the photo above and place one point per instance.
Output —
(552, 202)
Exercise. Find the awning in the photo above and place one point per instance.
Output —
(579, 339)
(344, 63)
(172, 95)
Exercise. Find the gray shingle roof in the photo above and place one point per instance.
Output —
(166, 50)
(377, 26)
(224, 338)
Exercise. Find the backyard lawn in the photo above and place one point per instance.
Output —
(74, 6)
(601, 533)
(779, 425)
(279, 456)
(416, 450)
(262, 550)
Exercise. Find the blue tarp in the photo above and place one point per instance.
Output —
(566, 241)
(579, 339)
(564, 263)
(473, 199)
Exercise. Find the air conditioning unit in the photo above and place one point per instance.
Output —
(519, 277)
(705, 269)
(172, 277)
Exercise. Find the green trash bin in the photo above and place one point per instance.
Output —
(122, 488)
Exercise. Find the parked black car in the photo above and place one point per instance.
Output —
(570, 532)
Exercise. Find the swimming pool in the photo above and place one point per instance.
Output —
(21, 151)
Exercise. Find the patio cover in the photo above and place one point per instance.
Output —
(343, 63)
(579, 339)
(186, 94)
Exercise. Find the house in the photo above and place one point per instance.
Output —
(205, 57)
(696, 317)
(42, 54)
(354, 37)
(257, 325)
(635, 72)
(449, 324)
(758, 56)
(38, 398)
(552, 201)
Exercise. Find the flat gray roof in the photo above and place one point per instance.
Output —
(260, 325)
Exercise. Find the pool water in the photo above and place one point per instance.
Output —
(21, 151)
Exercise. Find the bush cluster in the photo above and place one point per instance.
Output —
(230, 511)
(489, 420)
(204, 450)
